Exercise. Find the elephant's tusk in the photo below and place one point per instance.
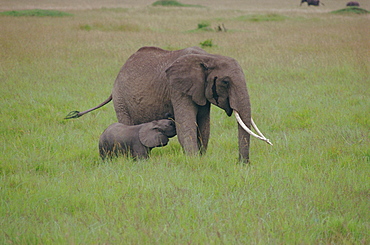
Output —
(259, 132)
(256, 128)
(261, 136)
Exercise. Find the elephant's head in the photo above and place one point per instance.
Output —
(219, 80)
(214, 78)
(156, 133)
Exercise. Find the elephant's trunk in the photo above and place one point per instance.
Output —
(259, 135)
(244, 139)
(240, 104)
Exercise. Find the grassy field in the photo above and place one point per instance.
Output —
(308, 75)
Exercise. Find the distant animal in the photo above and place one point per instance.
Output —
(136, 140)
(311, 2)
(350, 4)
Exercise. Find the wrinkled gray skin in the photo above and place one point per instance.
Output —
(136, 140)
(184, 83)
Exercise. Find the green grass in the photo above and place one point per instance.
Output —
(262, 17)
(204, 25)
(351, 10)
(110, 27)
(36, 12)
(309, 95)
(207, 43)
(167, 3)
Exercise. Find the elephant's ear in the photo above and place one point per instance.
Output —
(151, 137)
(188, 75)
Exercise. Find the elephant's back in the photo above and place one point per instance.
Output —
(149, 64)
(155, 60)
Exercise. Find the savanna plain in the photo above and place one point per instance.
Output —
(307, 72)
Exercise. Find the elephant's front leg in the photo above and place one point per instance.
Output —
(203, 121)
(139, 151)
(186, 111)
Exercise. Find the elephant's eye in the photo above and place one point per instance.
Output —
(225, 82)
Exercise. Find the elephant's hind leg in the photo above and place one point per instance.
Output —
(123, 116)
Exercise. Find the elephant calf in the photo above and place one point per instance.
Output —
(137, 140)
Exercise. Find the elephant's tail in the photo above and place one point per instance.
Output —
(77, 114)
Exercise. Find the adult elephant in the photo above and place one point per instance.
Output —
(311, 2)
(154, 82)
(353, 3)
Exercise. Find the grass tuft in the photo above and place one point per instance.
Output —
(109, 27)
(37, 13)
(170, 3)
(204, 25)
(351, 10)
(207, 43)
(262, 17)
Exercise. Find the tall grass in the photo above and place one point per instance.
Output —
(308, 78)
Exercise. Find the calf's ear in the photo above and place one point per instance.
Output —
(150, 136)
